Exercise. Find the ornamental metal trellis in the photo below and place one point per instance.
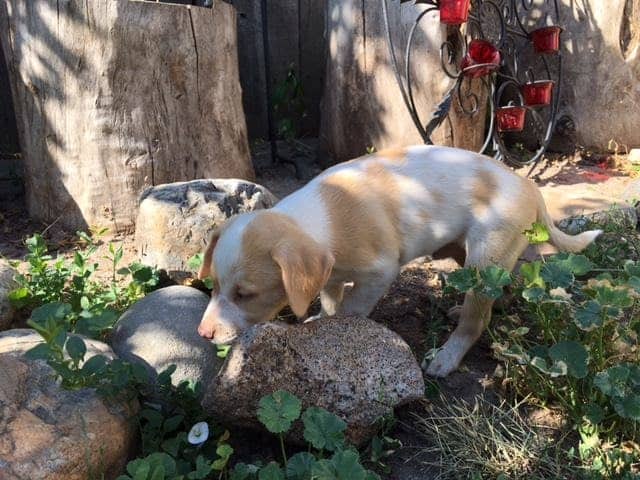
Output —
(507, 51)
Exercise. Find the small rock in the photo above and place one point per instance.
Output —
(354, 367)
(48, 433)
(6, 285)
(176, 219)
(161, 329)
(634, 156)
(623, 217)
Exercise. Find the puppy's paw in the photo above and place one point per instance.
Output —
(442, 365)
(454, 313)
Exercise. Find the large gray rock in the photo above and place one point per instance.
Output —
(353, 367)
(176, 219)
(161, 329)
(48, 433)
(19, 340)
(6, 285)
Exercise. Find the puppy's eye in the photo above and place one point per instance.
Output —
(243, 295)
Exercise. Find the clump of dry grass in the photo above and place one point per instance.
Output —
(482, 440)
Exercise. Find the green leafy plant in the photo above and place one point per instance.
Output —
(68, 303)
(325, 434)
(289, 105)
(90, 307)
(571, 340)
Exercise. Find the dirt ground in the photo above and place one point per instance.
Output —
(415, 307)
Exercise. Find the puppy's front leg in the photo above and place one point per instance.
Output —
(331, 297)
(368, 288)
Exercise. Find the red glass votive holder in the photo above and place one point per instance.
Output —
(511, 119)
(481, 59)
(546, 39)
(537, 94)
(454, 12)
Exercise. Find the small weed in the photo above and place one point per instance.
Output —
(289, 105)
(90, 307)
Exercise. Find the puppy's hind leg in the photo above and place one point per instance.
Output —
(497, 248)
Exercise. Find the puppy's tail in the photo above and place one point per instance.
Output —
(564, 242)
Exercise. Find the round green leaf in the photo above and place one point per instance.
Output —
(299, 466)
(323, 430)
(594, 413)
(55, 310)
(494, 279)
(347, 465)
(94, 365)
(613, 381)
(534, 294)
(589, 316)
(278, 411)
(243, 471)
(271, 472)
(578, 264)
(628, 406)
(41, 351)
(463, 279)
(557, 274)
(76, 348)
(574, 355)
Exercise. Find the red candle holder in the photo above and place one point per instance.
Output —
(511, 119)
(537, 94)
(546, 39)
(481, 59)
(454, 12)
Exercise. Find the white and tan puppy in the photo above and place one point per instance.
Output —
(359, 222)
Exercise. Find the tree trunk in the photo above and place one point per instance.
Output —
(362, 105)
(115, 96)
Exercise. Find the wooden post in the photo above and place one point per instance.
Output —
(115, 96)
(362, 104)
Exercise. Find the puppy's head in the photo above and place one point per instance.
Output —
(260, 262)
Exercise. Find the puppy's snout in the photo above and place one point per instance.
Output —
(205, 332)
(222, 321)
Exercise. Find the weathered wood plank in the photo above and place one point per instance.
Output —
(362, 104)
(117, 96)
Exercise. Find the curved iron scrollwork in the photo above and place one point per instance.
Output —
(510, 27)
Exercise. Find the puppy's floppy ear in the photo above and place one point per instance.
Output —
(206, 267)
(306, 267)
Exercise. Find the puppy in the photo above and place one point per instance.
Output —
(359, 222)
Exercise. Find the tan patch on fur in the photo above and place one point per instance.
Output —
(393, 154)
(438, 197)
(280, 264)
(363, 212)
(484, 189)
(206, 269)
